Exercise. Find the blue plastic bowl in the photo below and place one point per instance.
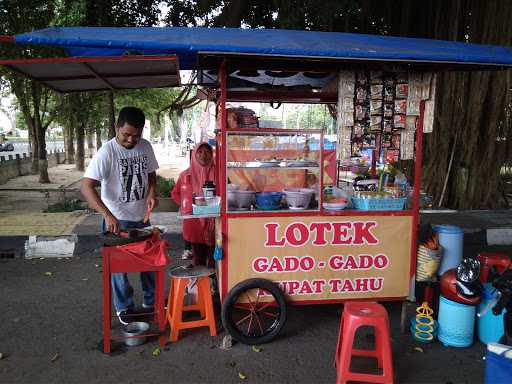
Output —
(268, 200)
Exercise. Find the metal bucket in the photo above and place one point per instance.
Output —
(133, 333)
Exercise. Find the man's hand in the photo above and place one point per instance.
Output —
(111, 223)
(152, 202)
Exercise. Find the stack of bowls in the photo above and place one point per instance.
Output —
(298, 198)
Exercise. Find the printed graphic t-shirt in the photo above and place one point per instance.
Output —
(123, 174)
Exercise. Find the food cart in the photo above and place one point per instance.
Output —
(277, 253)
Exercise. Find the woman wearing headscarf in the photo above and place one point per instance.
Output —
(199, 232)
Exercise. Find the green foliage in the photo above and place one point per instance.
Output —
(67, 205)
(164, 186)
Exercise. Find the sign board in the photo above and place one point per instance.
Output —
(323, 258)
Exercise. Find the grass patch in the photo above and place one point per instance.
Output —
(69, 205)
(164, 186)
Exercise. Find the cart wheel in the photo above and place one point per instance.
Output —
(254, 311)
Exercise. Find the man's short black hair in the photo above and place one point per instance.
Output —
(133, 116)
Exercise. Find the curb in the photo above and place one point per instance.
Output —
(499, 236)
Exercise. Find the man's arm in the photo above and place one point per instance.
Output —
(152, 197)
(87, 187)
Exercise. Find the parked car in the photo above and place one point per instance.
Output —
(6, 147)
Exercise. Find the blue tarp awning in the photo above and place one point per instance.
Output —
(188, 43)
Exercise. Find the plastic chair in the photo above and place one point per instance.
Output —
(355, 315)
(119, 259)
(175, 306)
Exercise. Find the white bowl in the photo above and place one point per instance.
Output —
(241, 199)
(335, 206)
(298, 197)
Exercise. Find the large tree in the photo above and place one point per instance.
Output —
(472, 134)
(37, 104)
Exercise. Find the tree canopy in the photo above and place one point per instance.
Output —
(472, 132)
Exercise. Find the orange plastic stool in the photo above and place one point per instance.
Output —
(175, 307)
(355, 315)
(116, 259)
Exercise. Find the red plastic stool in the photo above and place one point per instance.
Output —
(125, 258)
(355, 315)
(175, 307)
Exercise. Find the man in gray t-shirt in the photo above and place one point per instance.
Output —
(125, 167)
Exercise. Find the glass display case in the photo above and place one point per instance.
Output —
(273, 169)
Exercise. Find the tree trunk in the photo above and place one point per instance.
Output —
(111, 115)
(90, 144)
(40, 133)
(98, 137)
(80, 135)
(70, 145)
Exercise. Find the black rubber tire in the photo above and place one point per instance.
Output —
(9, 147)
(228, 310)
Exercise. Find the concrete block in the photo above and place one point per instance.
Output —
(50, 246)
(499, 236)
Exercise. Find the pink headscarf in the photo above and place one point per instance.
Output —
(199, 173)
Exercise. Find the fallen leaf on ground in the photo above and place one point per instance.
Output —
(242, 376)
(85, 279)
(256, 349)
(96, 265)
(419, 349)
(55, 357)
(49, 274)
(156, 352)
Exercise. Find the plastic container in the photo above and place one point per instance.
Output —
(379, 204)
(490, 326)
(268, 200)
(137, 328)
(498, 364)
(456, 323)
(212, 206)
(451, 239)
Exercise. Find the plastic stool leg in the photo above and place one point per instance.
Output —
(207, 304)
(177, 308)
(338, 344)
(170, 297)
(343, 368)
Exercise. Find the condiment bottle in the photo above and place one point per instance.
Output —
(186, 196)
(209, 189)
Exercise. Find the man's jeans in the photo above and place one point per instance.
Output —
(122, 291)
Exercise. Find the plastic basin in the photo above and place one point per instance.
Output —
(268, 200)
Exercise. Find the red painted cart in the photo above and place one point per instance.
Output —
(274, 257)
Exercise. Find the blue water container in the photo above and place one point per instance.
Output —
(451, 239)
(490, 326)
(456, 323)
